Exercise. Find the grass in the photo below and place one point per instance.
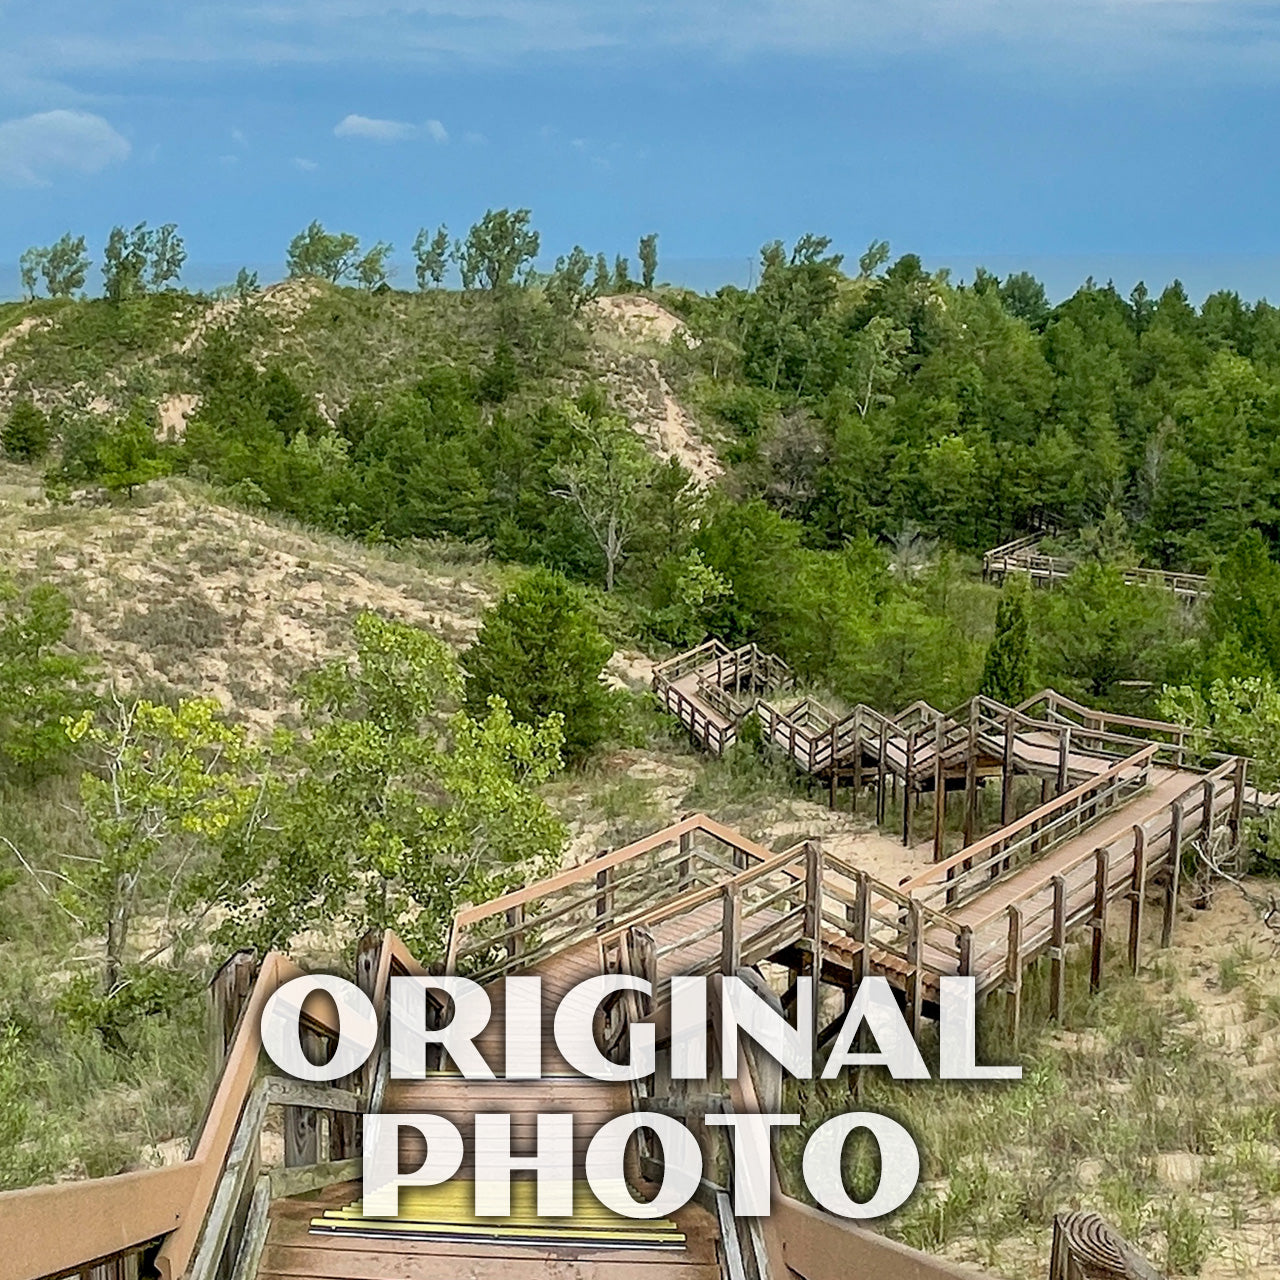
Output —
(1129, 1089)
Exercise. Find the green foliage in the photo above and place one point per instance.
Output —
(1240, 714)
(648, 254)
(128, 455)
(499, 250)
(540, 651)
(388, 808)
(337, 256)
(64, 267)
(135, 261)
(163, 789)
(431, 256)
(26, 434)
(1006, 671)
(40, 680)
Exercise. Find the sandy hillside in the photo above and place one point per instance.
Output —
(176, 593)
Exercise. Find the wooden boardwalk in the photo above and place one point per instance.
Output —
(1120, 802)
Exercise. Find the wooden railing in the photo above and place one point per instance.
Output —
(206, 1218)
(595, 897)
(1022, 556)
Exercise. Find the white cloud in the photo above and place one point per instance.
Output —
(35, 149)
(373, 130)
(436, 131)
(307, 166)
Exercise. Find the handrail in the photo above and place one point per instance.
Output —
(111, 1216)
(1066, 801)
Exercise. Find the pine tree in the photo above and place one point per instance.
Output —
(541, 652)
(1006, 673)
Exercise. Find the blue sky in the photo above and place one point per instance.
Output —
(1125, 137)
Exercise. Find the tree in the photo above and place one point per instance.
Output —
(30, 267)
(602, 279)
(163, 787)
(128, 456)
(124, 263)
(1006, 672)
(604, 478)
(66, 266)
(388, 808)
(567, 288)
(26, 434)
(499, 250)
(875, 256)
(541, 652)
(431, 256)
(166, 253)
(371, 270)
(40, 679)
(648, 253)
(317, 252)
(1237, 714)
(1023, 296)
(621, 275)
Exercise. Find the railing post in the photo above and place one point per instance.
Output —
(1098, 923)
(1006, 776)
(971, 775)
(302, 1124)
(1013, 973)
(1058, 950)
(1136, 895)
(1208, 796)
(906, 787)
(880, 772)
(859, 915)
(1174, 857)
(604, 897)
(684, 869)
(515, 931)
(915, 978)
(731, 929)
(1064, 752)
(964, 958)
(939, 794)
(228, 993)
(1237, 801)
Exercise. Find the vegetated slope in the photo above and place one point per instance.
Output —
(176, 593)
(341, 344)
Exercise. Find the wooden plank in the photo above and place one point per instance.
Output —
(110, 1216)
(293, 1182)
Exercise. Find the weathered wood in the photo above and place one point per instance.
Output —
(296, 1182)
(1137, 896)
(859, 915)
(881, 750)
(1058, 950)
(939, 794)
(971, 777)
(255, 1228)
(1064, 753)
(1098, 923)
(282, 1091)
(1237, 800)
(684, 868)
(604, 895)
(731, 930)
(1174, 875)
(228, 993)
(1086, 1248)
(915, 974)
(1013, 973)
(1007, 770)
(302, 1123)
(964, 951)
(907, 787)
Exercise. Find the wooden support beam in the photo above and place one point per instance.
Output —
(1013, 973)
(880, 771)
(907, 788)
(1174, 875)
(915, 976)
(1007, 772)
(302, 1124)
(1058, 950)
(939, 795)
(731, 930)
(971, 775)
(1237, 800)
(1098, 923)
(1137, 894)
